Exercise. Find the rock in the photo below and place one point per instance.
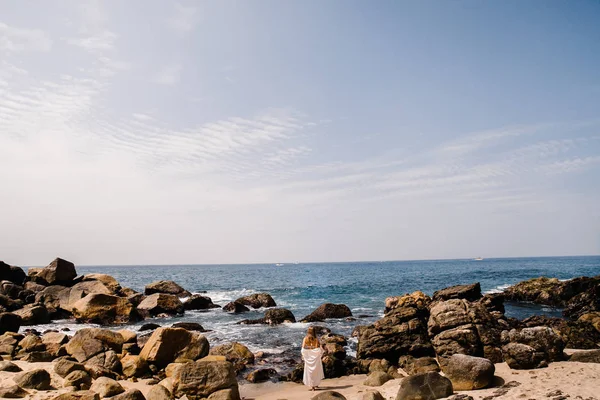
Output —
(235, 307)
(32, 343)
(470, 292)
(70, 296)
(522, 356)
(131, 394)
(377, 378)
(88, 342)
(575, 334)
(200, 379)
(236, 353)
(167, 345)
(106, 387)
(541, 339)
(79, 395)
(257, 300)
(587, 356)
(136, 299)
(413, 366)
(13, 274)
(426, 386)
(189, 326)
(372, 395)
(551, 291)
(97, 371)
(159, 392)
(586, 302)
(79, 379)
(128, 336)
(469, 373)
(13, 392)
(38, 356)
(10, 290)
(51, 297)
(416, 299)
(261, 375)
(167, 287)
(199, 302)
(64, 367)
(9, 322)
(58, 272)
(54, 341)
(107, 280)
(108, 360)
(38, 379)
(402, 331)
(148, 327)
(326, 311)
(329, 395)
(134, 366)
(160, 303)
(104, 309)
(8, 304)
(33, 314)
(34, 287)
(278, 316)
(7, 366)
(592, 318)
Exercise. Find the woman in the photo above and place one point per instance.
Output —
(311, 354)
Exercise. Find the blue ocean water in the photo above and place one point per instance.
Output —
(362, 286)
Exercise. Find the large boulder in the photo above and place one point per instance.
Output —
(235, 307)
(261, 375)
(11, 273)
(542, 339)
(167, 345)
(236, 353)
(159, 392)
(586, 356)
(88, 342)
(273, 316)
(426, 386)
(38, 379)
(372, 395)
(31, 343)
(13, 392)
(377, 378)
(106, 387)
(199, 302)
(522, 356)
(107, 280)
(579, 334)
(7, 366)
(470, 292)
(51, 298)
(131, 394)
(469, 373)
(58, 272)
(108, 360)
(78, 395)
(328, 395)
(402, 331)
(104, 309)
(54, 341)
(257, 300)
(78, 379)
(200, 379)
(9, 322)
(413, 366)
(328, 310)
(64, 367)
(134, 366)
(167, 287)
(416, 299)
(585, 302)
(33, 314)
(160, 303)
(68, 298)
(550, 291)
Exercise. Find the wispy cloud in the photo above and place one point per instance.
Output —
(184, 19)
(15, 39)
(104, 40)
(169, 75)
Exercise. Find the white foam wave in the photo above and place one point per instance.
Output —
(498, 289)
(225, 296)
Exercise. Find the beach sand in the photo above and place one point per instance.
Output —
(578, 380)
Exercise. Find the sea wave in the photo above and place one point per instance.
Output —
(498, 289)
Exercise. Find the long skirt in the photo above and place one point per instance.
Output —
(313, 367)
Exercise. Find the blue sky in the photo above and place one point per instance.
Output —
(266, 131)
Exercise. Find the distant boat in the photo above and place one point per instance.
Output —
(478, 259)
(279, 265)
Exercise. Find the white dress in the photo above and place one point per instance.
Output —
(313, 367)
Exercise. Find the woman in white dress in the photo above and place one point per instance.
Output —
(311, 354)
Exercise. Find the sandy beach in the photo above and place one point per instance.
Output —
(561, 379)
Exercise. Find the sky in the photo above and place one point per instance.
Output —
(199, 132)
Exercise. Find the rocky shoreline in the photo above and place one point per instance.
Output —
(450, 341)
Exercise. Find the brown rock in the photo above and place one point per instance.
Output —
(134, 366)
(107, 280)
(470, 292)
(33, 314)
(167, 287)
(377, 378)
(416, 299)
(70, 296)
(200, 379)
(327, 311)
(128, 336)
(104, 309)
(106, 387)
(329, 395)
(235, 307)
(160, 303)
(236, 353)
(78, 379)
(587, 356)
(372, 395)
(64, 367)
(38, 379)
(32, 343)
(107, 359)
(88, 342)
(199, 302)
(159, 392)
(9, 322)
(58, 272)
(13, 392)
(167, 345)
(131, 394)
(469, 373)
(79, 395)
(54, 341)
(257, 300)
(414, 366)
(426, 386)
(261, 375)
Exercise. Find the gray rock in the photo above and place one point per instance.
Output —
(377, 378)
(469, 373)
(426, 386)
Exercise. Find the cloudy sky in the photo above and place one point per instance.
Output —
(158, 132)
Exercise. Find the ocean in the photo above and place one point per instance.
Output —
(362, 286)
